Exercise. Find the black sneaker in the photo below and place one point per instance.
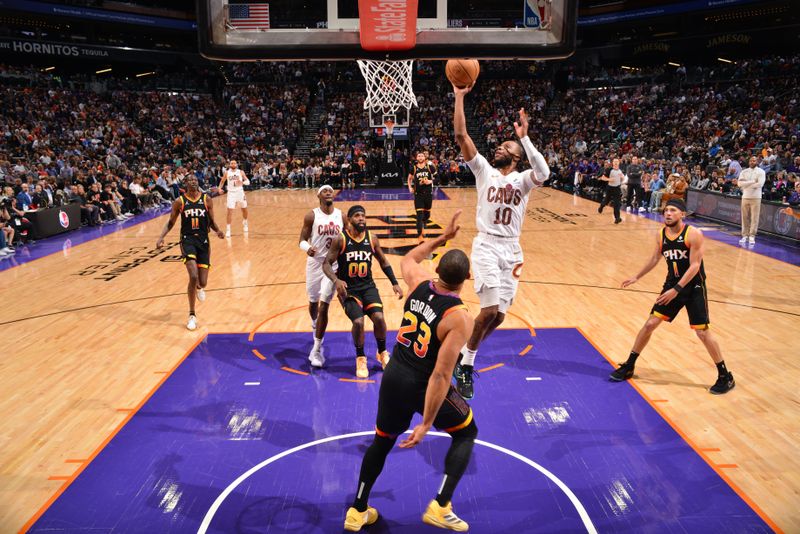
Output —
(600, 209)
(623, 372)
(464, 380)
(724, 384)
(617, 221)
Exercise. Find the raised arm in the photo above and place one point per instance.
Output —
(413, 273)
(460, 125)
(177, 206)
(655, 257)
(386, 267)
(541, 171)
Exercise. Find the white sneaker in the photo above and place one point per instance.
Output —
(751, 241)
(9, 250)
(3, 254)
(120, 217)
(641, 210)
(317, 358)
(244, 226)
(743, 241)
(228, 233)
(201, 294)
(628, 209)
(192, 324)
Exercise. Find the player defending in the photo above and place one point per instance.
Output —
(197, 216)
(236, 179)
(682, 246)
(420, 183)
(320, 227)
(352, 253)
(434, 328)
(496, 253)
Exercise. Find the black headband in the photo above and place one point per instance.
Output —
(678, 203)
(355, 209)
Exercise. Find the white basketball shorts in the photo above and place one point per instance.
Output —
(496, 268)
(318, 286)
(236, 197)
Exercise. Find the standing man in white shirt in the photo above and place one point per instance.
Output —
(751, 181)
(496, 254)
(236, 179)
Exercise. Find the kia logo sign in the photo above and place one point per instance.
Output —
(63, 218)
(389, 174)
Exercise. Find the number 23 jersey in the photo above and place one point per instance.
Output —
(417, 343)
(501, 199)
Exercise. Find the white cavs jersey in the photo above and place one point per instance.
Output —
(501, 199)
(235, 182)
(325, 229)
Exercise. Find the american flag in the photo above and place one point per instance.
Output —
(249, 16)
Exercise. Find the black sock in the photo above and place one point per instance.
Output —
(191, 312)
(371, 467)
(721, 369)
(632, 358)
(381, 344)
(456, 462)
(359, 350)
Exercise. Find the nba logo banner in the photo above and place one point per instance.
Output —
(531, 18)
(63, 218)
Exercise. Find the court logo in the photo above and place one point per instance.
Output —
(63, 218)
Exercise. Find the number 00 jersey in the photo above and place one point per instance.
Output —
(194, 216)
(676, 252)
(355, 262)
(417, 342)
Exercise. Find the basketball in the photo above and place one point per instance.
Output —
(462, 72)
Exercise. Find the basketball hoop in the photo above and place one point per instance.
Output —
(389, 90)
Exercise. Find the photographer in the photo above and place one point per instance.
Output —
(7, 233)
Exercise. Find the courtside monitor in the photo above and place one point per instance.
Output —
(239, 30)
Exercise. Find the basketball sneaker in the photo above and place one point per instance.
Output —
(623, 372)
(743, 241)
(443, 517)
(361, 367)
(751, 242)
(317, 358)
(192, 324)
(383, 358)
(724, 384)
(201, 294)
(464, 380)
(355, 520)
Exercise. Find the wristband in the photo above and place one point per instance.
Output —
(305, 245)
(678, 288)
(390, 275)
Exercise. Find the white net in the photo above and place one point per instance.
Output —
(389, 90)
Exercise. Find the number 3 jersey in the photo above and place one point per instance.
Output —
(323, 232)
(417, 343)
(501, 199)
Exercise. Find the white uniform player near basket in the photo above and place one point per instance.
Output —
(320, 226)
(496, 253)
(236, 179)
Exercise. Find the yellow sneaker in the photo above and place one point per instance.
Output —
(443, 517)
(361, 367)
(354, 519)
(383, 358)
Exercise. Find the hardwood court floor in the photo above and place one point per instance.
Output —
(89, 334)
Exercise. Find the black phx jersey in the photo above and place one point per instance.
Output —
(424, 174)
(676, 252)
(355, 262)
(194, 217)
(417, 342)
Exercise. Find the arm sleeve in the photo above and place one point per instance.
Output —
(541, 172)
(480, 168)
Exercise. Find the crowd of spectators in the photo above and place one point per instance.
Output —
(119, 147)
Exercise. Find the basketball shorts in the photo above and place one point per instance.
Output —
(693, 298)
(197, 249)
(236, 197)
(362, 302)
(496, 269)
(423, 199)
(402, 394)
(318, 286)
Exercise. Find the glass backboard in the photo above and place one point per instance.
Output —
(241, 30)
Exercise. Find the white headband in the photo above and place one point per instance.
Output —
(323, 188)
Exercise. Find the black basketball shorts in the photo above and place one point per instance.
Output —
(196, 248)
(362, 302)
(693, 298)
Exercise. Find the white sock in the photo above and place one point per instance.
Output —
(317, 343)
(468, 356)
(228, 228)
